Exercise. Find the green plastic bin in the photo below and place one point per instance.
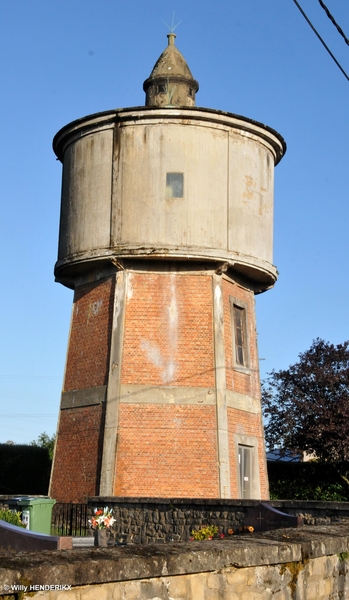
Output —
(36, 512)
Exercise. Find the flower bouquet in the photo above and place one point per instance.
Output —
(101, 521)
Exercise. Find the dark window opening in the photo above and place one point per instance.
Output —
(174, 185)
(240, 335)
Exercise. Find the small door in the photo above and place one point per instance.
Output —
(245, 470)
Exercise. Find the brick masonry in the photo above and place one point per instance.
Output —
(76, 467)
(169, 330)
(88, 352)
(78, 454)
(170, 449)
(164, 448)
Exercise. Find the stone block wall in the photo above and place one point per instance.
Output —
(146, 521)
(160, 520)
(308, 564)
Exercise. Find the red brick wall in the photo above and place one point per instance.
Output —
(162, 449)
(78, 454)
(246, 423)
(80, 435)
(168, 331)
(88, 353)
(167, 450)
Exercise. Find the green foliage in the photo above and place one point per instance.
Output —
(45, 441)
(24, 469)
(306, 406)
(307, 481)
(14, 518)
(205, 533)
(343, 556)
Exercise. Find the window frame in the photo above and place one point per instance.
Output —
(168, 184)
(250, 442)
(241, 305)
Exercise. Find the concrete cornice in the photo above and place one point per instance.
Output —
(250, 267)
(188, 116)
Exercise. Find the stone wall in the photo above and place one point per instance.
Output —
(303, 564)
(159, 520)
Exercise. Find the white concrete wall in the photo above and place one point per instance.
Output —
(114, 188)
(86, 194)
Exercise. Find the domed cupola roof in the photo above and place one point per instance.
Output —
(170, 83)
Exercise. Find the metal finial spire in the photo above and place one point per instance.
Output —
(172, 27)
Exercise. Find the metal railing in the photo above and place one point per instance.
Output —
(70, 519)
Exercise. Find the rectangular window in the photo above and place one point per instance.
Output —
(240, 339)
(245, 470)
(174, 185)
(240, 335)
(248, 467)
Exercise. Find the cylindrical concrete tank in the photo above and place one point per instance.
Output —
(187, 183)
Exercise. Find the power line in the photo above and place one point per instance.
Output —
(321, 40)
(339, 29)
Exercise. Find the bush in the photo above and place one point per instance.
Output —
(306, 481)
(24, 470)
(14, 518)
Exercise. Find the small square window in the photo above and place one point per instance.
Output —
(174, 185)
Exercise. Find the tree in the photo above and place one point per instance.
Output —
(45, 441)
(307, 406)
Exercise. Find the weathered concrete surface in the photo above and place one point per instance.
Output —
(307, 564)
(85, 566)
(86, 397)
(134, 562)
(13, 538)
(227, 163)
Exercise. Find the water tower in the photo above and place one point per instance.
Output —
(166, 235)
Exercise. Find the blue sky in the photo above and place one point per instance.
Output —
(257, 58)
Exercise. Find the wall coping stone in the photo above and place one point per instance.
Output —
(105, 565)
(99, 500)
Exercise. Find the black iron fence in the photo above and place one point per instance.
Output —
(70, 519)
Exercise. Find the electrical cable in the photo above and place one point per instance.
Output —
(321, 40)
(339, 29)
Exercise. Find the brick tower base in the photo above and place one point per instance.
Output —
(161, 395)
